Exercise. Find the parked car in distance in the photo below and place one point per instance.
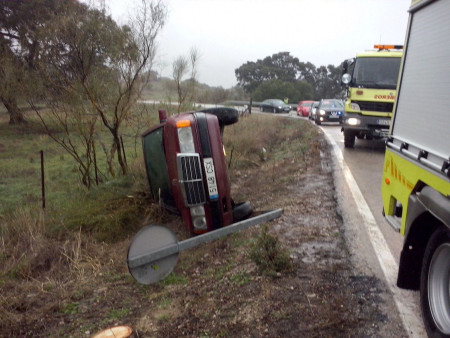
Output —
(312, 111)
(274, 106)
(304, 107)
(329, 110)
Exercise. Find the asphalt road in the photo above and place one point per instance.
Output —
(375, 247)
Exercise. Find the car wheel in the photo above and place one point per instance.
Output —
(434, 284)
(225, 115)
(241, 211)
(349, 139)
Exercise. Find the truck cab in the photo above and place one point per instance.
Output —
(187, 171)
(371, 80)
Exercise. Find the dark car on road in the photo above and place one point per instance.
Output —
(329, 110)
(274, 106)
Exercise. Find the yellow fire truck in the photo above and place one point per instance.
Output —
(371, 80)
(416, 176)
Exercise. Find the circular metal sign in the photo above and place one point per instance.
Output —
(148, 261)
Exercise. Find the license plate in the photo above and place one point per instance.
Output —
(334, 116)
(211, 178)
(383, 122)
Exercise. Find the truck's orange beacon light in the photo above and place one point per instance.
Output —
(381, 47)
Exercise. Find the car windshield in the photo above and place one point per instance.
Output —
(278, 102)
(331, 104)
(376, 72)
(307, 104)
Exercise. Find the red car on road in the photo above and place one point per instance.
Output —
(304, 107)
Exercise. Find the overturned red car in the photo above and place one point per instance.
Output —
(187, 171)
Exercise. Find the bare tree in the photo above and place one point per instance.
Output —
(180, 68)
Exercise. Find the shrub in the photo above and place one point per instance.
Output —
(269, 255)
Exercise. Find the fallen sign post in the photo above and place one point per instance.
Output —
(153, 252)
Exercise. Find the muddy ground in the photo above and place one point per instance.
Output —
(216, 290)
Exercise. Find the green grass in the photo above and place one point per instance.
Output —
(173, 279)
(107, 211)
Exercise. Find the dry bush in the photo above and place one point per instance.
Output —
(23, 243)
(248, 141)
(28, 253)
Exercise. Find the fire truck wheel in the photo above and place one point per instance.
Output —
(225, 115)
(434, 284)
(349, 139)
(241, 211)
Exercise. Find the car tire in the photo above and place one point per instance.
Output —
(434, 284)
(349, 139)
(241, 211)
(225, 115)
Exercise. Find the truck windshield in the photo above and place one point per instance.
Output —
(155, 164)
(376, 72)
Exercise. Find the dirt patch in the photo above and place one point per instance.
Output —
(216, 290)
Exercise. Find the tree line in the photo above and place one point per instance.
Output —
(283, 75)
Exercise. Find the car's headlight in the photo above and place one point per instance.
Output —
(279, 107)
(354, 106)
(322, 112)
(198, 217)
(352, 121)
(185, 137)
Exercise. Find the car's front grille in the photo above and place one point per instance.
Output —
(191, 178)
(385, 107)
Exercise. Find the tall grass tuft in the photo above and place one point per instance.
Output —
(23, 243)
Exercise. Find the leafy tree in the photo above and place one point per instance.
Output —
(21, 22)
(322, 81)
(328, 83)
(280, 66)
(294, 91)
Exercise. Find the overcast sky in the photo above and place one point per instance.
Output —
(228, 33)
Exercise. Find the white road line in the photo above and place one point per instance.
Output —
(412, 324)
